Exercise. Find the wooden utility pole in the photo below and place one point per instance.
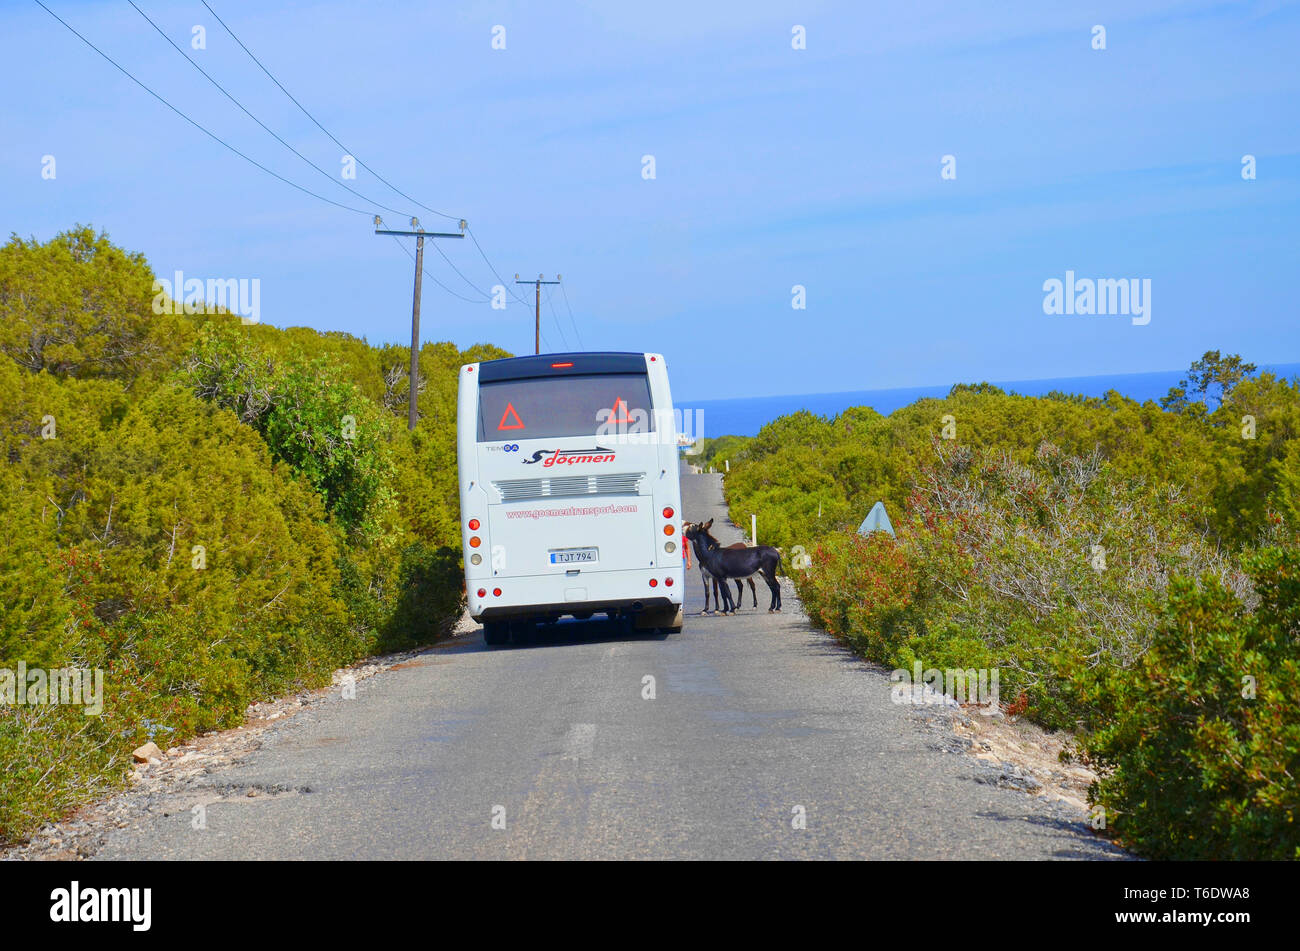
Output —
(415, 333)
(537, 326)
(419, 234)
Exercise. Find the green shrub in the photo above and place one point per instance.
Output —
(999, 564)
(862, 590)
(207, 512)
(801, 464)
(428, 596)
(994, 567)
(1197, 760)
(77, 306)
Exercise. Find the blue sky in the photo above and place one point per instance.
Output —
(775, 167)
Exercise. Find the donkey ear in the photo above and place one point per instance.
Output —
(707, 525)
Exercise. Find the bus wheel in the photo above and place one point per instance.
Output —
(522, 632)
(496, 633)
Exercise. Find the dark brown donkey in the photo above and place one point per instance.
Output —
(706, 578)
(727, 563)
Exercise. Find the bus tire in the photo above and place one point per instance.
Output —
(496, 633)
(522, 631)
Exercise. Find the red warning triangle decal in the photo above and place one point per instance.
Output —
(510, 411)
(613, 413)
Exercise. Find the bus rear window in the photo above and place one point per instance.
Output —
(547, 408)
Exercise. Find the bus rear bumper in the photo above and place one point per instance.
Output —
(629, 606)
(534, 597)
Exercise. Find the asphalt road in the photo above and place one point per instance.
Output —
(756, 719)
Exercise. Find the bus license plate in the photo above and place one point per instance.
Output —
(573, 556)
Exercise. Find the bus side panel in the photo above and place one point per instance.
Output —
(667, 485)
(473, 497)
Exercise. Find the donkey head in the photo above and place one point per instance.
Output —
(700, 531)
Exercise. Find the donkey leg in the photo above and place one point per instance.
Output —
(775, 587)
(726, 593)
(739, 591)
(722, 595)
(753, 592)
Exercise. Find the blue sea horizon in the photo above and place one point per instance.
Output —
(745, 416)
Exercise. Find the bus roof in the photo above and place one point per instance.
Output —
(556, 364)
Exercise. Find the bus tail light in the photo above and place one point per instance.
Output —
(475, 541)
(668, 511)
(473, 525)
(670, 547)
(654, 582)
(496, 592)
(668, 529)
(669, 582)
(476, 559)
(482, 592)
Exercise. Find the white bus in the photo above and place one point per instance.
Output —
(570, 500)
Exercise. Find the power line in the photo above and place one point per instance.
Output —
(264, 126)
(306, 191)
(462, 276)
(381, 178)
(495, 272)
(434, 279)
(581, 345)
(220, 141)
(260, 123)
(304, 111)
(555, 318)
(322, 171)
